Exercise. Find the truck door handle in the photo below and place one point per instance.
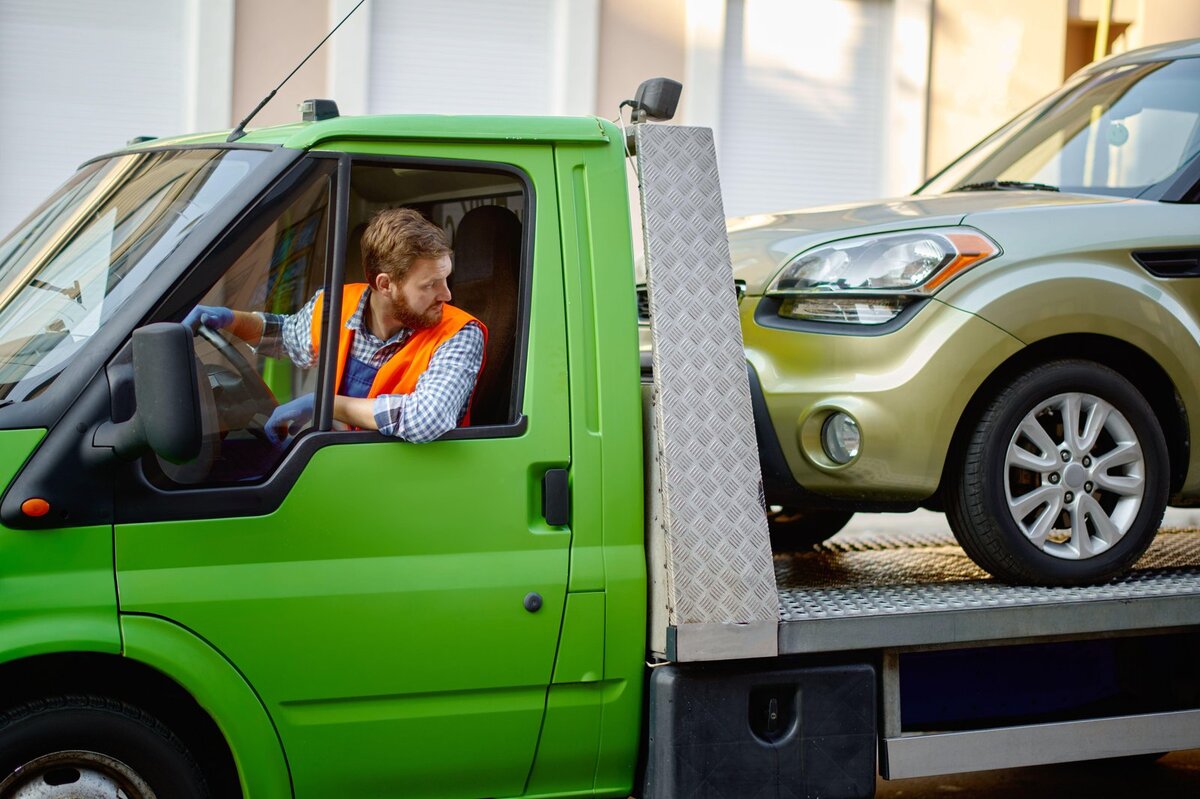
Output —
(556, 498)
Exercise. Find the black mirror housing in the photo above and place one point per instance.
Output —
(167, 419)
(164, 384)
(656, 98)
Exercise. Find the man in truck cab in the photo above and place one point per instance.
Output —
(407, 360)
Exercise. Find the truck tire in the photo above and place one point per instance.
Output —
(1063, 480)
(71, 746)
(803, 528)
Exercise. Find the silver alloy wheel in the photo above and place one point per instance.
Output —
(75, 774)
(1075, 476)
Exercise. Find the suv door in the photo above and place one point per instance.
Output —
(377, 594)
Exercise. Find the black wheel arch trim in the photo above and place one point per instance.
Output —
(1128, 360)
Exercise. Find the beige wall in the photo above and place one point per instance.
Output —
(993, 58)
(990, 59)
(1139, 22)
(1161, 21)
(638, 40)
(270, 38)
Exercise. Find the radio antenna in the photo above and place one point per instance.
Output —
(240, 130)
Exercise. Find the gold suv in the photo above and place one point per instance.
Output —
(1018, 343)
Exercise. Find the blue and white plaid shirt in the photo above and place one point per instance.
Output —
(435, 406)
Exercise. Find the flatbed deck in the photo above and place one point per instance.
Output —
(902, 590)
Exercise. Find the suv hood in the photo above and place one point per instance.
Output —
(761, 244)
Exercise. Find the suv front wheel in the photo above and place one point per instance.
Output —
(1063, 480)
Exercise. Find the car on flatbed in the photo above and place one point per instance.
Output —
(1016, 343)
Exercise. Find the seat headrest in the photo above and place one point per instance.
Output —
(486, 245)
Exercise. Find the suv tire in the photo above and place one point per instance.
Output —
(1063, 480)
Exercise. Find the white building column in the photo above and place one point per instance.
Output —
(349, 59)
(704, 63)
(208, 79)
(908, 97)
(576, 56)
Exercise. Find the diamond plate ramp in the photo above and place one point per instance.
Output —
(719, 580)
(896, 590)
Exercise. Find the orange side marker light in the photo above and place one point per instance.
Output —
(971, 250)
(35, 506)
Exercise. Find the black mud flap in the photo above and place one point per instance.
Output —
(721, 731)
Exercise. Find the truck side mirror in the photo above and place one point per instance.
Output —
(165, 386)
(656, 98)
(168, 420)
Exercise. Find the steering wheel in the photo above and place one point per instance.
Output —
(243, 396)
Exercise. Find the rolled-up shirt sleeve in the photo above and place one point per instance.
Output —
(439, 401)
(290, 335)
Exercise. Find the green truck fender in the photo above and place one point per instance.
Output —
(222, 692)
(56, 586)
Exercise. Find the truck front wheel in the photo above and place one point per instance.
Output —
(1064, 479)
(73, 746)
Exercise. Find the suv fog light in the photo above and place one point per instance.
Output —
(840, 438)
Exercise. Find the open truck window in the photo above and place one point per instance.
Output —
(483, 214)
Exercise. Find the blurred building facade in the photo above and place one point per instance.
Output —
(812, 101)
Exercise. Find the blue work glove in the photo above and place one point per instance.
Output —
(214, 317)
(289, 415)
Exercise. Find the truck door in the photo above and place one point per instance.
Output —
(396, 606)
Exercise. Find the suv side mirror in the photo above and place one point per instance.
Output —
(168, 420)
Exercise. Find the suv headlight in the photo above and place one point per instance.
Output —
(870, 279)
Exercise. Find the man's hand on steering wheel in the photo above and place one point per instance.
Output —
(287, 420)
(243, 401)
(214, 317)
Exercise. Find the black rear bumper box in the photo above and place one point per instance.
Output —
(746, 731)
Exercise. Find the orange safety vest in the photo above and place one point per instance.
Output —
(399, 373)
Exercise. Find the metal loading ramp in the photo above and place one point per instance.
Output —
(902, 590)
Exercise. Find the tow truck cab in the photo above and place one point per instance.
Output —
(347, 612)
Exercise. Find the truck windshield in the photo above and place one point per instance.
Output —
(1118, 132)
(71, 264)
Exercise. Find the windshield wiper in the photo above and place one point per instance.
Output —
(1006, 185)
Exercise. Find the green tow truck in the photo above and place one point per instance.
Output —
(573, 596)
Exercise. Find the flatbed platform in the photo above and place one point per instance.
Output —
(901, 590)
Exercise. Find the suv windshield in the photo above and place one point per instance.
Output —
(1121, 131)
(67, 268)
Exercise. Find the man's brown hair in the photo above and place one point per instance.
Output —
(395, 238)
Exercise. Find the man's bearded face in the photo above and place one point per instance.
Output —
(417, 302)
